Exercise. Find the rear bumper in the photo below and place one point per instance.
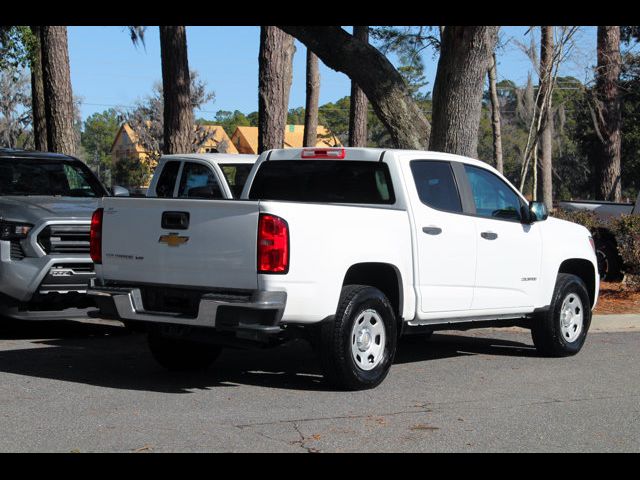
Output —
(252, 317)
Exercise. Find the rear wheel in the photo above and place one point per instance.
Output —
(180, 355)
(357, 348)
(562, 330)
(609, 261)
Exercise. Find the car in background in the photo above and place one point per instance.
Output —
(201, 175)
(609, 260)
(46, 201)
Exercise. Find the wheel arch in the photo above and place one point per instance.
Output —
(383, 276)
(583, 269)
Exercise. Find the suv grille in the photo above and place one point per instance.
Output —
(63, 239)
(16, 250)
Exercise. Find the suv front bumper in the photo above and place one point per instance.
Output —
(254, 316)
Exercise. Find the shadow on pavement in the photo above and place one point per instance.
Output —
(107, 356)
(441, 345)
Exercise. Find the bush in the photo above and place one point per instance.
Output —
(585, 218)
(626, 229)
(131, 173)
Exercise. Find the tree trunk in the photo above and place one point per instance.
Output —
(57, 90)
(372, 71)
(176, 82)
(313, 96)
(274, 82)
(608, 113)
(495, 116)
(37, 94)
(545, 192)
(457, 92)
(358, 101)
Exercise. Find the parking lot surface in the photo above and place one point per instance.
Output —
(72, 387)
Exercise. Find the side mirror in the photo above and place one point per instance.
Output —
(119, 191)
(537, 212)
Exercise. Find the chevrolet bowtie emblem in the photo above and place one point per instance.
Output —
(173, 239)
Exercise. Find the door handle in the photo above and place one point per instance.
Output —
(489, 235)
(175, 220)
(432, 230)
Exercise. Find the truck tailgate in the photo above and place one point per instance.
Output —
(216, 250)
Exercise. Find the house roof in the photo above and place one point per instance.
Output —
(218, 136)
(293, 137)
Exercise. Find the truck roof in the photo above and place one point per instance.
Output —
(374, 154)
(214, 157)
(7, 153)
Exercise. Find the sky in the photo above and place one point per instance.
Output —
(107, 70)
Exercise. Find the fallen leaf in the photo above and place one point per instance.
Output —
(422, 426)
(146, 448)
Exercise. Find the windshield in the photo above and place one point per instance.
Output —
(331, 181)
(236, 175)
(29, 176)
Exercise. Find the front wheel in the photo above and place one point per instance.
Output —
(179, 355)
(357, 348)
(562, 330)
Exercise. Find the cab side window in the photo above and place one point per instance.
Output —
(198, 181)
(436, 185)
(492, 196)
(167, 180)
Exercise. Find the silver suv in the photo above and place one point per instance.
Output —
(46, 202)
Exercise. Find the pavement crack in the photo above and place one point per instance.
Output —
(303, 440)
(336, 417)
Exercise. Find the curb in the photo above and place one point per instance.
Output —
(615, 323)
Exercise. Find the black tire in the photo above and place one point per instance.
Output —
(179, 355)
(339, 367)
(547, 332)
(609, 262)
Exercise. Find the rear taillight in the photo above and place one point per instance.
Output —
(593, 244)
(329, 153)
(273, 244)
(95, 236)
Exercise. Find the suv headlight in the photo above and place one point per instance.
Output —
(14, 230)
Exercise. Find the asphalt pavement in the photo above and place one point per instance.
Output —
(74, 387)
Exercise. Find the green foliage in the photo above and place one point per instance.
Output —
(626, 228)
(253, 119)
(585, 218)
(16, 44)
(629, 34)
(407, 43)
(295, 116)
(335, 116)
(98, 135)
(131, 173)
(228, 120)
(582, 132)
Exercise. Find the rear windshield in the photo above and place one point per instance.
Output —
(26, 176)
(331, 181)
(236, 174)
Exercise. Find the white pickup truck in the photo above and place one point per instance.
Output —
(349, 247)
(201, 175)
